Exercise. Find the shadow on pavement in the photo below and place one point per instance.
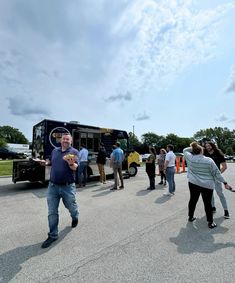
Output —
(11, 261)
(103, 193)
(197, 237)
(36, 188)
(163, 199)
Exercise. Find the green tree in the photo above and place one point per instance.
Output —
(151, 138)
(229, 151)
(12, 135)
(133, 141)
(222, 136)
(2, 142)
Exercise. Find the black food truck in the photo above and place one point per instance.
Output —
(47, 135)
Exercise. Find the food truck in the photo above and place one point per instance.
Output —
(47, 135)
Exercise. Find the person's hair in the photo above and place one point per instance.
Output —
(152, 150)
(170, 146)
(196, 148)
(118, 144)
(215, 148)
(66, 134)
(163, 149)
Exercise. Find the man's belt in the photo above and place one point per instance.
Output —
(62, 184)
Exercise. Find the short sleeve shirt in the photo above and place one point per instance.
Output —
(170, 156)
(60, 170)
(218, 158)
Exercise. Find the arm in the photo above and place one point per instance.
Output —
(166, 164)
(223, 167)
(218, 176)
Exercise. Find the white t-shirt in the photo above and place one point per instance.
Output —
(170, 156)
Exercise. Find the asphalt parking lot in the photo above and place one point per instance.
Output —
(132, 235)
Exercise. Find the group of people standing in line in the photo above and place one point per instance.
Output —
(205, 166)
(166, 163)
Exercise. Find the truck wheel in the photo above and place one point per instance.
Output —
(133, 171)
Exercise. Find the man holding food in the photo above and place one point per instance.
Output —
(61, 185)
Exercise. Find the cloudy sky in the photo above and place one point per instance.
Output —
(164, 66)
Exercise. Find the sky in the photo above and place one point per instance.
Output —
(159, 66)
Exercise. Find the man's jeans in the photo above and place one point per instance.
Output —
(219, 191)
(82, 173)
(170, 174)
(54, 194)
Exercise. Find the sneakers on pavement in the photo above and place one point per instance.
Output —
(160, 183)
(214, 209)
(226, 214)
(48, 242)
(113, 189)
(168, 194)
(74, 223)
(211, 225)
(191, 219)
(121, 187)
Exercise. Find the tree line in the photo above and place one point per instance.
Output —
(224, 138)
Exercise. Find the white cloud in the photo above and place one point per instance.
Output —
(81, 54)
(231, 81)
(222, 118)
(142, 117)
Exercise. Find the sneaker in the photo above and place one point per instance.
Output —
(214, 209)
(113, 189)
(74, 223)
(168, 194)
(226, 214)
(48, 242)
(191, 219)
(160, 183)
(211, 225)
(121, 187)
(164, 184)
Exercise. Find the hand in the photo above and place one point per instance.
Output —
(228, 187)
(70, 159)
(40, 161)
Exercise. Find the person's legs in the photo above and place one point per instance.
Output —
(207, 196)
(53, 200)
(170, 172)
(219, 191)
(79, 173)
(84, 172)
(103, 173)
(115, 171)
(120, 175)
(162, 176)
(100, 171)
(194, 196)
(68, 197)
(152, 182)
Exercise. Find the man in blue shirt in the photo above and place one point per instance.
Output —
(117, 158)
(61, 185)
(82, 166)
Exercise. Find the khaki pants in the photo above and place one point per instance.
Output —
(117, 170)
(101, 172)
